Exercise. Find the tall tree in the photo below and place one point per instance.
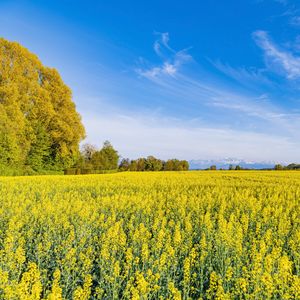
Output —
(105, 159)
(110, 155)
(39, 124)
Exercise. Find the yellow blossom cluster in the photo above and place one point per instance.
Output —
(160, 235)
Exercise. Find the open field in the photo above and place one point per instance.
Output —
(188, 235)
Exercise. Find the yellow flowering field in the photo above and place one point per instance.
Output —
(160, 235)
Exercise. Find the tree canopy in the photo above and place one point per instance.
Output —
(39, 125)
(104, 159)
(153, 164)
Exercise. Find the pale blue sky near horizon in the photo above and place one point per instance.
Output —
(186, 79)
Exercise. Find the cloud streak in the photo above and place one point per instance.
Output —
(253, 111)
(248, 77)
(277, 58)
(187, 87)
(171, 60)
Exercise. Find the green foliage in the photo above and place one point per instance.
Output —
(176, 165)
(124, 164)
(278, 167)
(106, 158)
(8, 149)
(141, 164)
(293, 167)
(39, 126)
(133, 165)
(153, 164)
(39, 153)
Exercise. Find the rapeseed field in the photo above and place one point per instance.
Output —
(160, 235)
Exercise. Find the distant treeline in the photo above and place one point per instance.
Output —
(107, 160)
(277, 167)
(288, 167)
(153, 164)
(231, 167)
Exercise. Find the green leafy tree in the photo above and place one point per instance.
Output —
(140, 164)
(169, 165)
(176, 165)
(110, 155)
(133, 165)
(35, 107)
(153, 164)
(124, 164)
(184, 165)
(105, 159)
(293, 166)
(278, 167)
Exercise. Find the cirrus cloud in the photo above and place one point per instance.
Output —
(277, 58)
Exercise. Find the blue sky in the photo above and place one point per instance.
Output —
(186, 79)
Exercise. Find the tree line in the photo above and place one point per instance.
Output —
(231, 167)
(293, 166)
(107, 159)
(277, 167)
(153, 164)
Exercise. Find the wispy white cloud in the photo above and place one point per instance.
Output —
(165, 69)
(205, 92)
(171, 60)
(277, 58)
(211, 95)
(292, 12)
(162, 43)
(243, 75)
